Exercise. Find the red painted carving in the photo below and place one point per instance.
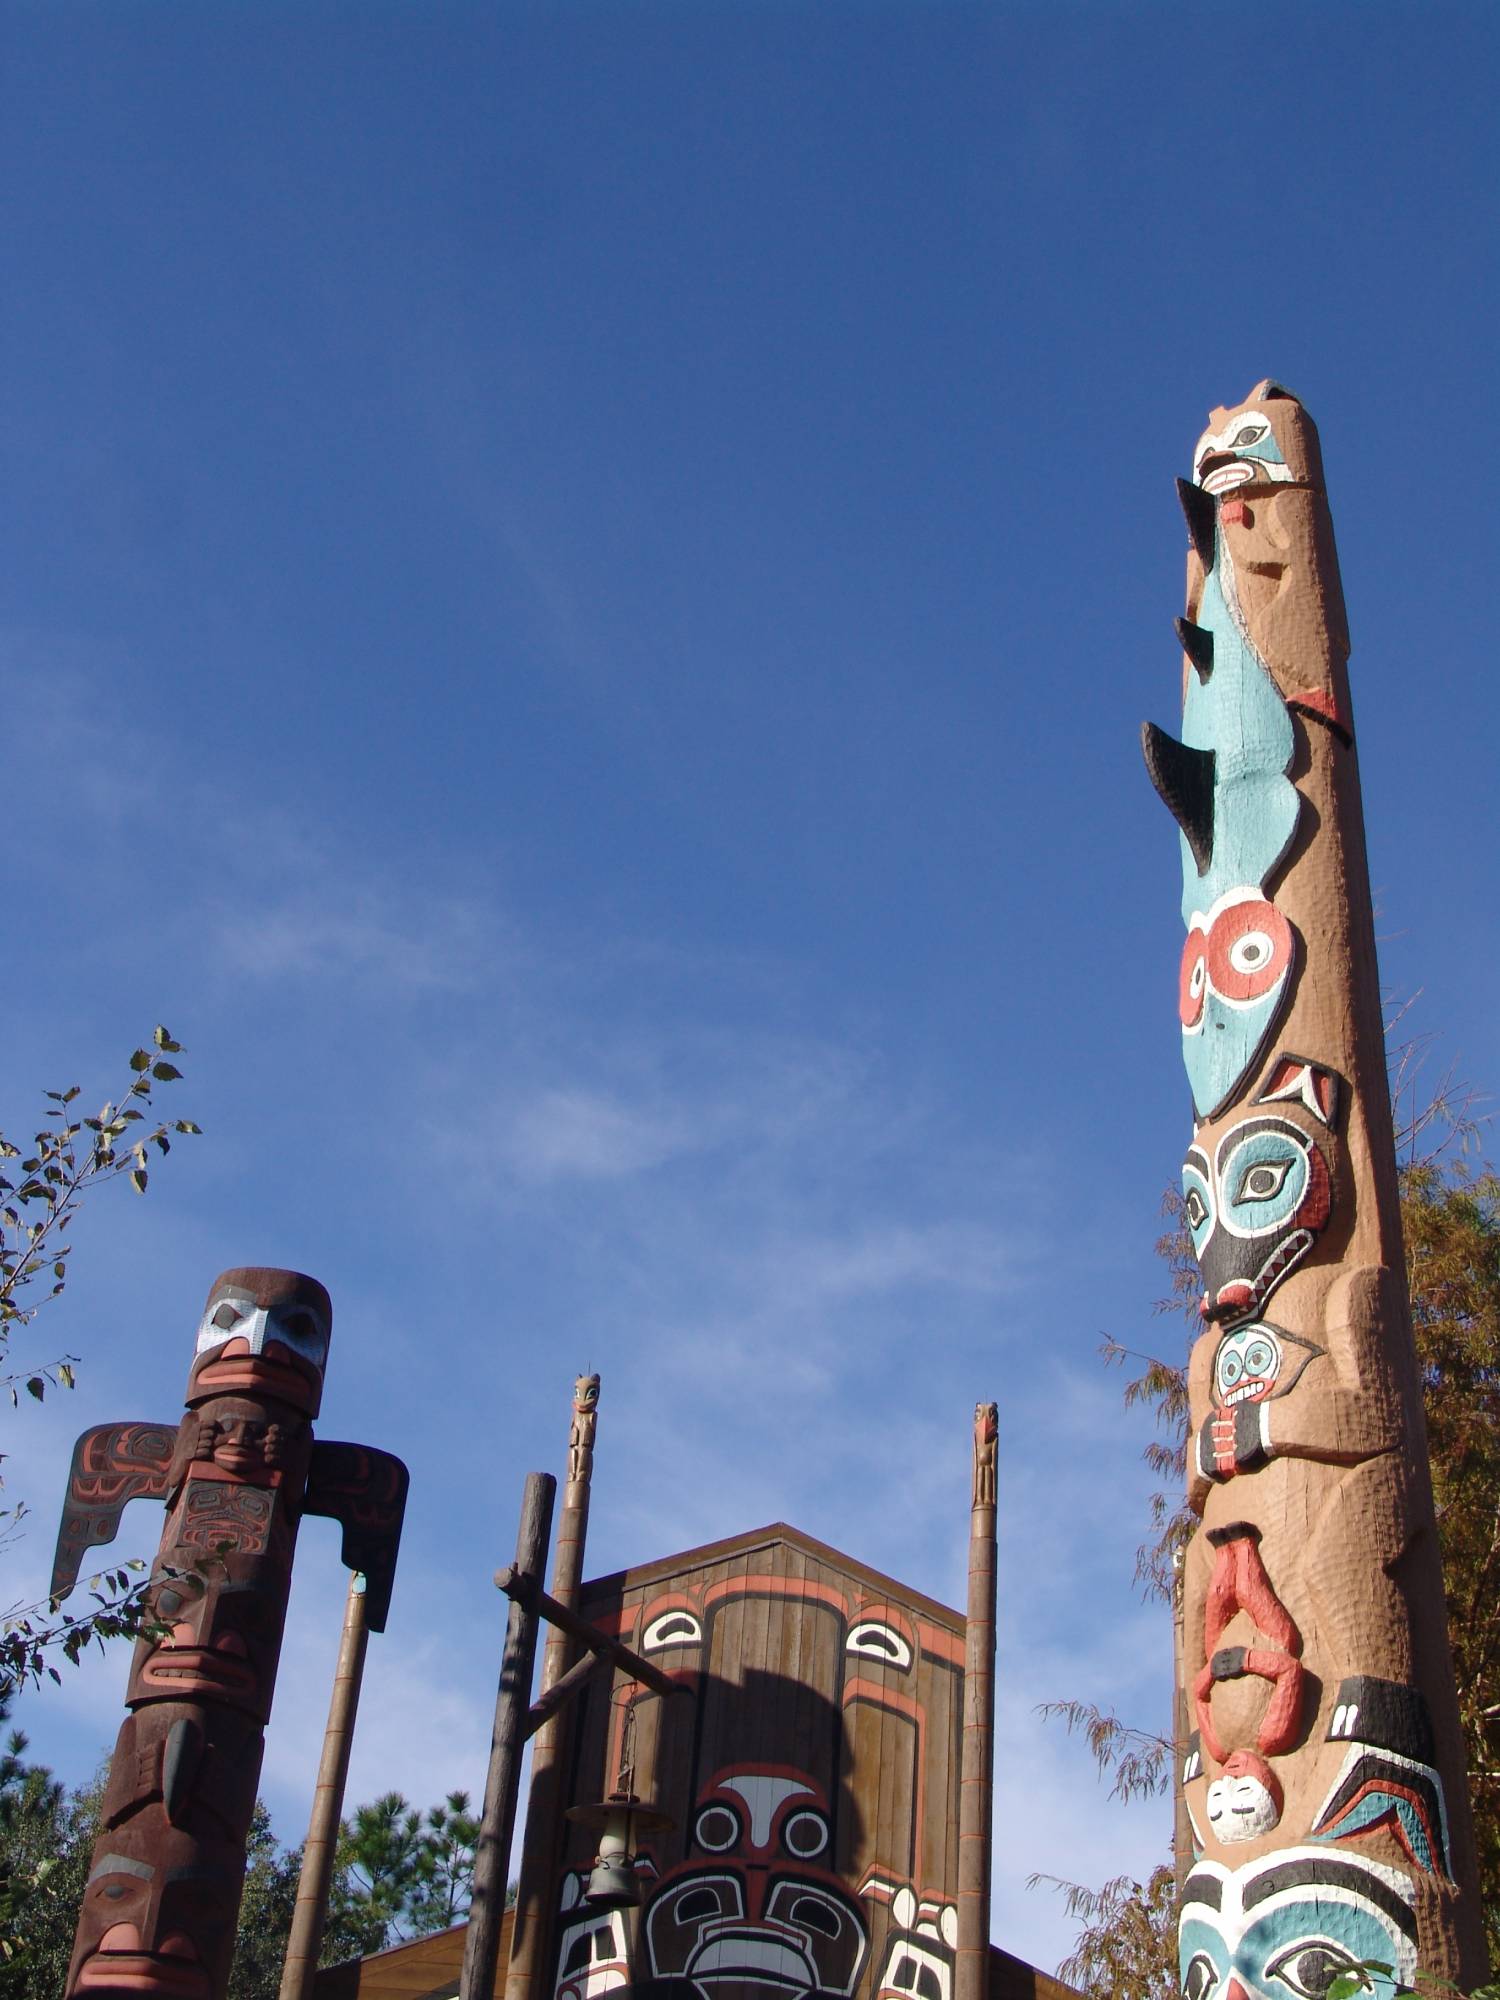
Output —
(1240, 1583)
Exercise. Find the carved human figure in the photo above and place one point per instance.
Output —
(585, 1422)
(158, 1914)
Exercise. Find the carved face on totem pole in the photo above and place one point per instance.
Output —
(1254, 1211)
(1268, 440)
(1286, 1926)
(263, 1333)
(164, 1918)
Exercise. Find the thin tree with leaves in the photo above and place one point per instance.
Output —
(43, 1187)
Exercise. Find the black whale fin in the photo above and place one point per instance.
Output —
(1185, 780)
(1198, 643)
(1202, 518)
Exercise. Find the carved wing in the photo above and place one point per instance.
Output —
(364, 1490)
(112, 1464)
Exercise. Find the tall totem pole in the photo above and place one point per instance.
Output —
(237, 1475)
(1324, 1775)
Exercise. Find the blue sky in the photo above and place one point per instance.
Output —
(580, 586)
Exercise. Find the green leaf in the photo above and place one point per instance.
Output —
(65, 1375)
(138, 1179)
(141, 1060)
(164, 1041)
(165, 1072)
(186, 1125)
(36, 1387)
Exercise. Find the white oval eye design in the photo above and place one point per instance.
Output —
(1249, 953)
(717, 1828)
(879, 1641)
(805, 1834)
(672, 1628)
(1251, 434)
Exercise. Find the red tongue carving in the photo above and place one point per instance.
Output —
(1232, 510)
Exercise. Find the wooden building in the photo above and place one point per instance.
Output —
(811, 1782)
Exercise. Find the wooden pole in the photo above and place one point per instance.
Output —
(542, 1841)
(311, 1909)
(503, 1781)
(977, 1771)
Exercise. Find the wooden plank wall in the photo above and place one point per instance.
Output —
(813, 1779)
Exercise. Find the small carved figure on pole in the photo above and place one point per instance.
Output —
(986, 1444)
(585, 1420)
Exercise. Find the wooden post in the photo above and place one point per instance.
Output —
(502, 1783)
(311, 1910)
(977, 1771)
(542, 1841)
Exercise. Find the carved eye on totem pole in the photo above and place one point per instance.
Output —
(264, 1333)
(1255, 1213)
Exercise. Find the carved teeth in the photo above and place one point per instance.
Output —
(1237, 473)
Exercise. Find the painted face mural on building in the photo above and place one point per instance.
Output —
(1324, 1786)
(813, 1852)
(237, 1475)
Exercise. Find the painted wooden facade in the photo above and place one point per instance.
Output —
(813, 1780)
(427, 1968)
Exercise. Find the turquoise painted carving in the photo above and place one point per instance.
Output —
(1227, 786)
(1286, 1926)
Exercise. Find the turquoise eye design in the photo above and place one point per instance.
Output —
(1251, 434)
(1263, 1171)
(1263, 1180)
(1309, 1967)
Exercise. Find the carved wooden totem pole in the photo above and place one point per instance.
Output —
(1324, 1780)
(237, 1475)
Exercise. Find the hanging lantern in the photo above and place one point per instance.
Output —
(622, 1820)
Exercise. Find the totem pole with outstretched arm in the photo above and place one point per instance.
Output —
(237, 1475)
(1324, 1777)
